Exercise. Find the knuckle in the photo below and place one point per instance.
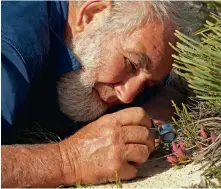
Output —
(123, 138)
(140, 111)
(114, 120)
(146, 133)
(116, 153)
(124, 134)
(115, 136)
(110, 123)
(144, 153)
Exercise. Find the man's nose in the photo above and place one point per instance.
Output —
(127, 91)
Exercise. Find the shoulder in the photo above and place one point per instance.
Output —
(25, 26)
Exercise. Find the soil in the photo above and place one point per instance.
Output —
(159, 173)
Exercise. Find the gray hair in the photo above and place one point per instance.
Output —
(75, 89)
(125, 16)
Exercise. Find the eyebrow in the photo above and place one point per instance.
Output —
(144, 60)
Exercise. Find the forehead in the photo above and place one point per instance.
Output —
(153, 37)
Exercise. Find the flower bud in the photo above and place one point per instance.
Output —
(172, 159)
(179, 153)
(174, 147)
(182, 145)
(213, 136)
(203, 133)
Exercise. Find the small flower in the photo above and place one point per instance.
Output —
(200, 147)
(203, 133)
(174, 147)
(179, 153)
(182, 145)
(172, 159)
(213, 136)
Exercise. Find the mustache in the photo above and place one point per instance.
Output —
(77, 99)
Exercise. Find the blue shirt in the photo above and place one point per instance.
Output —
(34, 56)
(32, 35)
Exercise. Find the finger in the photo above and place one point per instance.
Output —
(133, 116)
(138, 135)
(127, 172)
(137, 153)
(135, 135)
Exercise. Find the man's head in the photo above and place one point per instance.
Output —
(123, 48)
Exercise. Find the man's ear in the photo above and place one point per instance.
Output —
(88, 10)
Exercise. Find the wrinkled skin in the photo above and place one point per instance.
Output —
(115, 142)
(114, 72)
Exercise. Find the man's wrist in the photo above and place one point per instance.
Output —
(68, 162)
(32, 166)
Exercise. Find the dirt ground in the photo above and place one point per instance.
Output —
(158, 173)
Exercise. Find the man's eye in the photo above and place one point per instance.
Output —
(130, 64)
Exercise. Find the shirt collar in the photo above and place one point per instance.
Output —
(66, 61)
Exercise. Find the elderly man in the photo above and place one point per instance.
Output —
(98, 54)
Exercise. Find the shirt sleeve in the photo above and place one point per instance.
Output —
(14, 82)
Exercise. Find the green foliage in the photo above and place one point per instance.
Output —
(38, 135)
(117, 180)
(78, 185)
(210, 6)
(185, 124)
(212, 176)
(199, 62)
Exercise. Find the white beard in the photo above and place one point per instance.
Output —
(76, 96)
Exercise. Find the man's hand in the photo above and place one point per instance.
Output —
(115, 142)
